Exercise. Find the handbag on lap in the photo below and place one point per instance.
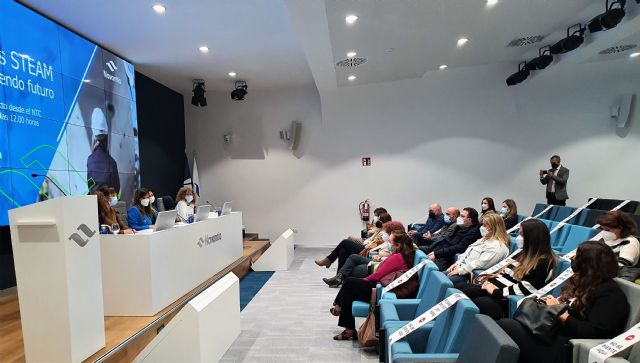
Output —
(539, 318)
(367, 332)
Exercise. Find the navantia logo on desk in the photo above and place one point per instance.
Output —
(207, 240)
(78, 239)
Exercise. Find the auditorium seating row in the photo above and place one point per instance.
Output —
(587, 217)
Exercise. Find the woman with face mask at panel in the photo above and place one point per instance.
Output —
(186, 201)
(356, 265)
(618, 230)
(487, 207)
(107, 215)
(140, 215)
(509, 213)
(492, 248)
(598, 309)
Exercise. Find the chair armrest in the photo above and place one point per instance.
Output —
(426, 358)
(581, 348)
(394, 310)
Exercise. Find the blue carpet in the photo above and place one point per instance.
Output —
(250, 284)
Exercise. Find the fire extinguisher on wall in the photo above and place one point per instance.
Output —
(365, 210)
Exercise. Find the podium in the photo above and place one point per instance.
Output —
(56, 251)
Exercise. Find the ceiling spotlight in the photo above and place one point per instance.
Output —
(542, 61)
(633, 55)
(351, 54)
(443, 66)
(610, 18)
(519, 76)
(204, 49)
(240, 91)
(159, 8)
(351, 78)
(462, 41)
(491, 3)
(351, 19)
(571, 42)
(232, 74)
(198, 98)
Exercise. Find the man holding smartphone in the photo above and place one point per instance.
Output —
(556, 181)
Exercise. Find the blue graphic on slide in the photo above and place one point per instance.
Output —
(68, 120)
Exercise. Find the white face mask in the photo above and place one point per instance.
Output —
(504, 211)
(608, 236)
(113, 201)
(520, 241)
(144, 202)
(152, 200)
(188, 198)
(460, 221)
(385, 236)
(485, 206)
(483, 231)
(390, 248)
(375, 219)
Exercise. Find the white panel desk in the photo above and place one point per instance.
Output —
(145, 272)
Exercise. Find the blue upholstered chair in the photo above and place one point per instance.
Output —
(563, 212)
(442, 340)
(539, 208)
(577, 235)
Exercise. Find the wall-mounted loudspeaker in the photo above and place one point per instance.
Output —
(622, 111)
(294, 135)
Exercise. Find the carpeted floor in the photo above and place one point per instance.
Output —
(250, 284)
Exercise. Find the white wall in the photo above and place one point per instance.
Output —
(451, 137)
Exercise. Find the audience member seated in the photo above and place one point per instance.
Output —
(109, 193)
(356, 289)
(486, 207)
(598, 309)
(618, 233)
(185, 203)
(509, 212)
(152, 205)
(492, 248)
(433, 224)
(349, 246)
(357, 265)
(448, 230)
(107, 215)
(443, 253)
(140, 215)
(371, 227)
(536, 265)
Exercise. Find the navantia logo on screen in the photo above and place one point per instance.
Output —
(78, 239)
(208, 240)
(112, 67)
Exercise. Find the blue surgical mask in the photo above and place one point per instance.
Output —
(447, 219)
(504, 211)
(113, 201)
(188, 198)
(390, 247)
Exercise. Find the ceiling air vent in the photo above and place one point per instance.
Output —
(351, 62)
(524, 41)
(618, 49)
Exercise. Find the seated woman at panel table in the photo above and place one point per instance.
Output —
(509, 212)
(351, 245)
(140, 216)
(492, 248)
(356, 265)
(356, 289)
(618, 230)
(152, 200)
(107, 215)
(535, 267)
(598, 309)
(186, 201)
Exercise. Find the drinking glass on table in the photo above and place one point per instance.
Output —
(115, 228)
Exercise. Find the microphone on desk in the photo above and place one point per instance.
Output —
(34, 175)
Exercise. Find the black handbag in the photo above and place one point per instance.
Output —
(539, 318)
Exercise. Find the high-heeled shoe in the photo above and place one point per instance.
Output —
(346, 335)
(323, 262)
(334, 281)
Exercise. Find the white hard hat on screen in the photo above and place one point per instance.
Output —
(99, 122)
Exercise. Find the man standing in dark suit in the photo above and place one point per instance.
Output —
(556, 181)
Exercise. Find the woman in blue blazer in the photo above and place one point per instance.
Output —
(140, 215)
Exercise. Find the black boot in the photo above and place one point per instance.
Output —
(335, 281)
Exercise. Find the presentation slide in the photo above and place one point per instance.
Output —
(68, 121)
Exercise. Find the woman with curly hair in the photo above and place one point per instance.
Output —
(598, 309)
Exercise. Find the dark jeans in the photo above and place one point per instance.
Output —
(532, 350)
(355, 266)
(488, 304)
(551, 199)
(343, 250)
(353, 289)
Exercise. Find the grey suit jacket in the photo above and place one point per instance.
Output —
(560, 178)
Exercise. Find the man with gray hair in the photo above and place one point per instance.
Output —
(433, 224)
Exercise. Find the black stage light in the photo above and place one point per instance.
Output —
(519, 76)
(610, 18)
(571, 42)
(198, 98)
(240, 91)
(542, 61)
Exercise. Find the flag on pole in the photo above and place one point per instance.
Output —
(195, 180)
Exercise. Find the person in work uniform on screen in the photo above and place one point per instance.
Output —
(101, 167)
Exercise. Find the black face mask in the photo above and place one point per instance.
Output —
(432, 215)
(378, 224)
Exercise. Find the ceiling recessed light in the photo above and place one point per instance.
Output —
(443, 66)
(633, 55)
(159, 8)
(351, 54)
(350, 19)
(204, 49)
(351, 77)
(232, 74)
(462, 41)
(491, 3)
